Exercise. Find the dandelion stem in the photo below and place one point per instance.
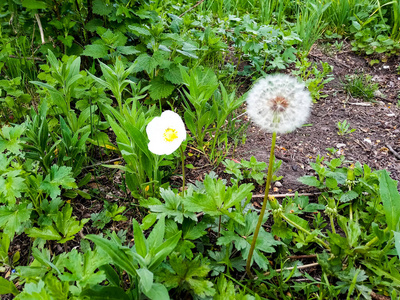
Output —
(264, 206)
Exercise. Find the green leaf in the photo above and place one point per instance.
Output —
(348, 196)
(160, 88)
(96, 51)
(390, 199)
(11, 219)
(7, 287)
(128, 50)
(158, 292)
(397, 242)
(59, 176)
(139, 30)
(146, 279)
(173, 74)
(118, 256)
(48, 233)
(102, 7)
(140, 241)
(162, 251)
(310, 180)
(144, 62)
(34, 4)
(12, 186)
(299, 221)
(99, 292)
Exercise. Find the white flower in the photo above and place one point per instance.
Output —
(166, 133)
(279, 103)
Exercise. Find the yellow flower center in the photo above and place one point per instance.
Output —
(170, 134)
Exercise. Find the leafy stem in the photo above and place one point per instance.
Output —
(294, 224)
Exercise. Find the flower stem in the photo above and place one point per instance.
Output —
(264, 206)
(183, 174)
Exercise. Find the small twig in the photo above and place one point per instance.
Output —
(193, 7)
(397, 155)
(360, 104)
(287, 195)
(40, 28)
(103, 162)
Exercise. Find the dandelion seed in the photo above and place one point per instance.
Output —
(279, 103)
(166, 133)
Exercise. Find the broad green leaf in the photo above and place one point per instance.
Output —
(348, 196)
(96, 51)
(146, 279)
(162, 251)
(139, 30)
(397, 242)
(102, 7)
(99, 292)
(146, 63)
(118, 256)
(156, 236)
(158, 292)
(299, 221)
(148, 221)
(140, 241)
(34, 4)
(310, 180)
(7, 287)
(160, 88)
(47, 233)
(390, 198)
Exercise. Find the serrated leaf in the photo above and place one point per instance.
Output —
(12, 218)
(96, 51)
(173, 74)
(11, 186)
(101, 7)
(128, 50)
(348, 196)
(160, 88)
(59, 176)
(139, 30)
(144, 62)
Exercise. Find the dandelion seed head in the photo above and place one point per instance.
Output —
(279, 103)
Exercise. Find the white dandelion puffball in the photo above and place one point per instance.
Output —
(166, 133)
(279, 103)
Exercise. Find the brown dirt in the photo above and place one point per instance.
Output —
(377, 125)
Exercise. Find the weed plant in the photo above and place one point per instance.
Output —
(360, 86)
(113, 68)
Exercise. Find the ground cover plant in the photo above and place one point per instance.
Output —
(199, 149)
